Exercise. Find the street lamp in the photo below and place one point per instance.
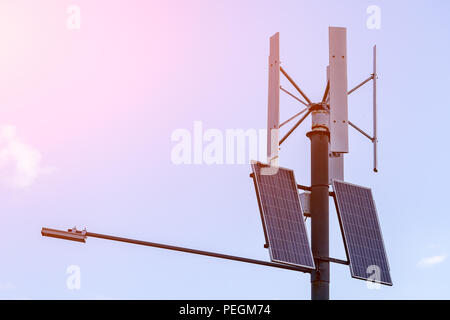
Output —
(71, 234)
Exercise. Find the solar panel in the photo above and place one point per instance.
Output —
(282, 216)
(362, 233)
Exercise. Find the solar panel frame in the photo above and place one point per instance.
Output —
(265, 215)
(345, 236)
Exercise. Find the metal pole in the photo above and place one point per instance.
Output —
(319, 136)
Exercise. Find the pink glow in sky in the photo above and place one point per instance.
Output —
(86, 118)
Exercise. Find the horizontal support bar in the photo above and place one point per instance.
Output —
(339, 261)
(293, 117)
(199, 252)
(53, 233)
(327, 90)
(295, 85)
(361, 84)
(299, 186)
(361, 131)
(294, 127)
(293, 96)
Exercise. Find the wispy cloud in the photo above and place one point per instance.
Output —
(431, 261)
(20, 163)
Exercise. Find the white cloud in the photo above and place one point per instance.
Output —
(431, 261)
(20, 164)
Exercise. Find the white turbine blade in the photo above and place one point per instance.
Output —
(338, 90)
(273, 117)
(335, 160)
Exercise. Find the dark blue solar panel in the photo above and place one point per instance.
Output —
(362, 233)
(282, 216)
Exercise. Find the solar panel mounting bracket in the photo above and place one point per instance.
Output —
(306, 188)
(334, 260)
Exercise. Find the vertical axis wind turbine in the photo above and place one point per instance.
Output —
(282, 213)
(329, 143)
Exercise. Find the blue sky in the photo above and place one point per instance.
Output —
(100, 153)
